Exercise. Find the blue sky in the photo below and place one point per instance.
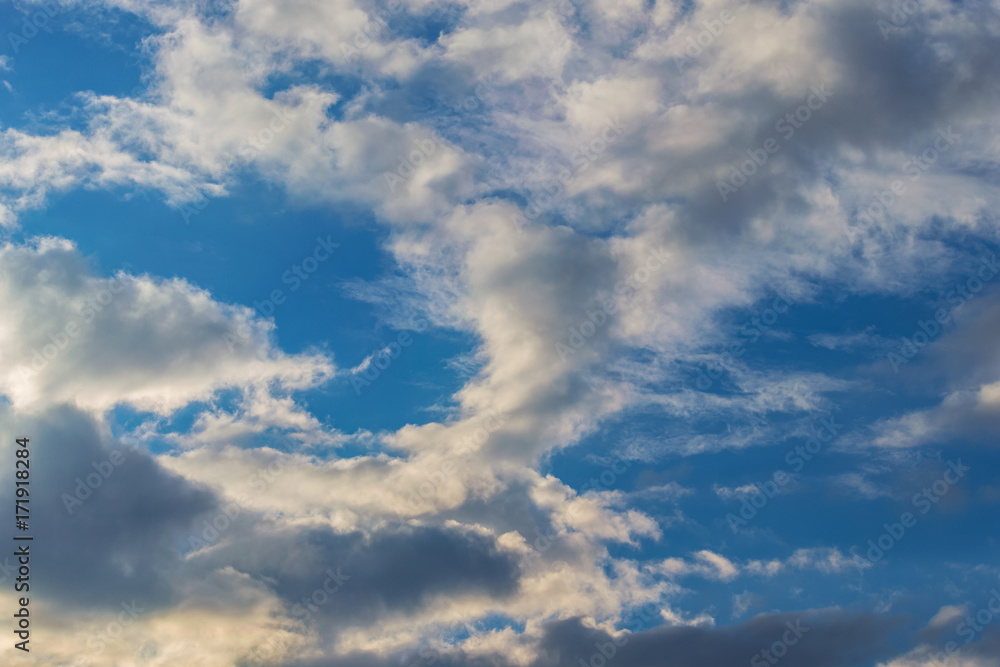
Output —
(533, 326)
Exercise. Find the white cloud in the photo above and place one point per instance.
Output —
(73, 337)
(709, 565)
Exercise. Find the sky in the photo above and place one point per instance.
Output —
(490, 333)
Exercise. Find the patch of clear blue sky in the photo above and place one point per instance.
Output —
(62, 60)
(821, 510)
(241, 248)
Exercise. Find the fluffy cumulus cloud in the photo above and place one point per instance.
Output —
(72, 337)
(660, 233)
